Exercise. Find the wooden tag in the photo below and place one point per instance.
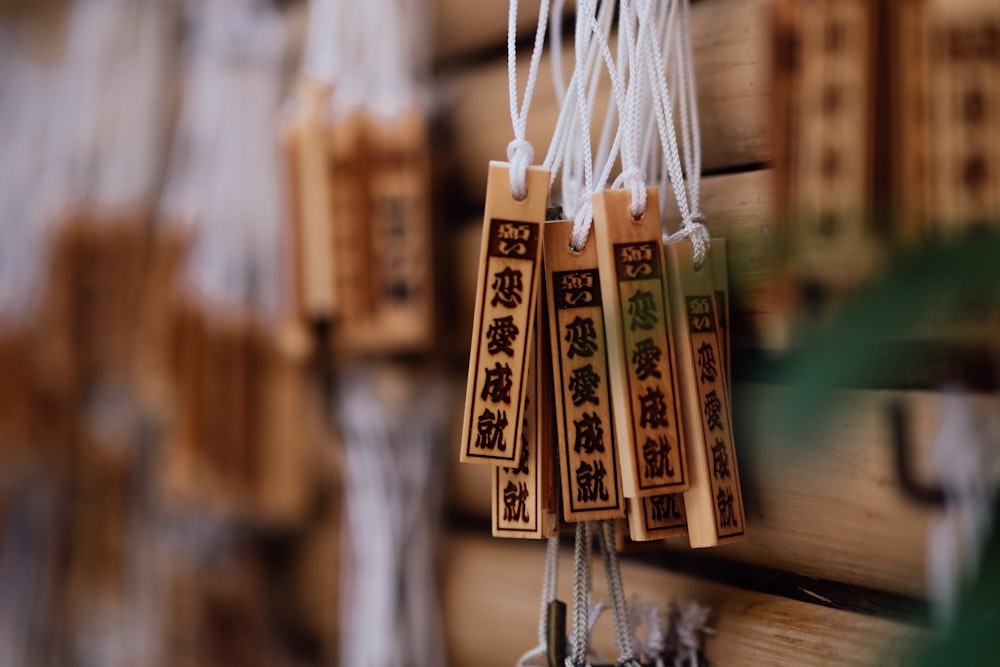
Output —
(524, 504)
(657, 517)
(588, 457)
(640, 349)
(400, 316)
(309, 178)
(714, 502)
(506, 293)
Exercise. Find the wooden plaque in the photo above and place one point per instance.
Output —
(509, 271)
(399, 314)
(524, 504)
(657, 517)
(714, 501)
(640, 349)
(588, 457)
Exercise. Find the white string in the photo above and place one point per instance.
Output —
(223, 178)
(32, 174)
(581, 596)
(633, 176)
(691, 625)
(392, 427)
(520, 154)
(647, 615)
(549, 582)
(692, 221)
(570, 145)
(612, 573)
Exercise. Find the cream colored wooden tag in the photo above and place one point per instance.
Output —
(643, 375)
(349, 216)
(506, 293)
(657, 517)
(588, 458)
(400, 315)
(714, 502)
(524, 504)
(306, 130)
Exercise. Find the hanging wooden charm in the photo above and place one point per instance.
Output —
(714, 502)
(643, 376)
(506, 293)
(657, 517)
(524, 496)
(399, 316)
(588, 458)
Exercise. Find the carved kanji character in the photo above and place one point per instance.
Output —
(646, 358)
(652, 409)
(584, 383)
(713, 411)
(589, 436)
(665, 507)
(720, 460)
(656, 454)
(497, 384)
(706, 362)
(507, 288)
(501, 333)
(642, 309)
(515, 507)
(582, 337)
(490, 429)
(590, 482)
(727, 513)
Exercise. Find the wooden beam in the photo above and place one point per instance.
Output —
(731, 50)
(830, 507)
(491, 596)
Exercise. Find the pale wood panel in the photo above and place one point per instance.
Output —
(830, 507)
(491, 598)
(731, 42)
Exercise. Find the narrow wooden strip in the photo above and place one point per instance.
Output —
(640, 347)
(588, 452)
(657, 517)
(506, 293)
(523, 499)
(714, 502)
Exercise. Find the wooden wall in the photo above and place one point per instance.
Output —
(833, 570)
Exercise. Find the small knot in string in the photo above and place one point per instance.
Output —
(693, 227)
(520, 155)
(583, 218)
(635, 180)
